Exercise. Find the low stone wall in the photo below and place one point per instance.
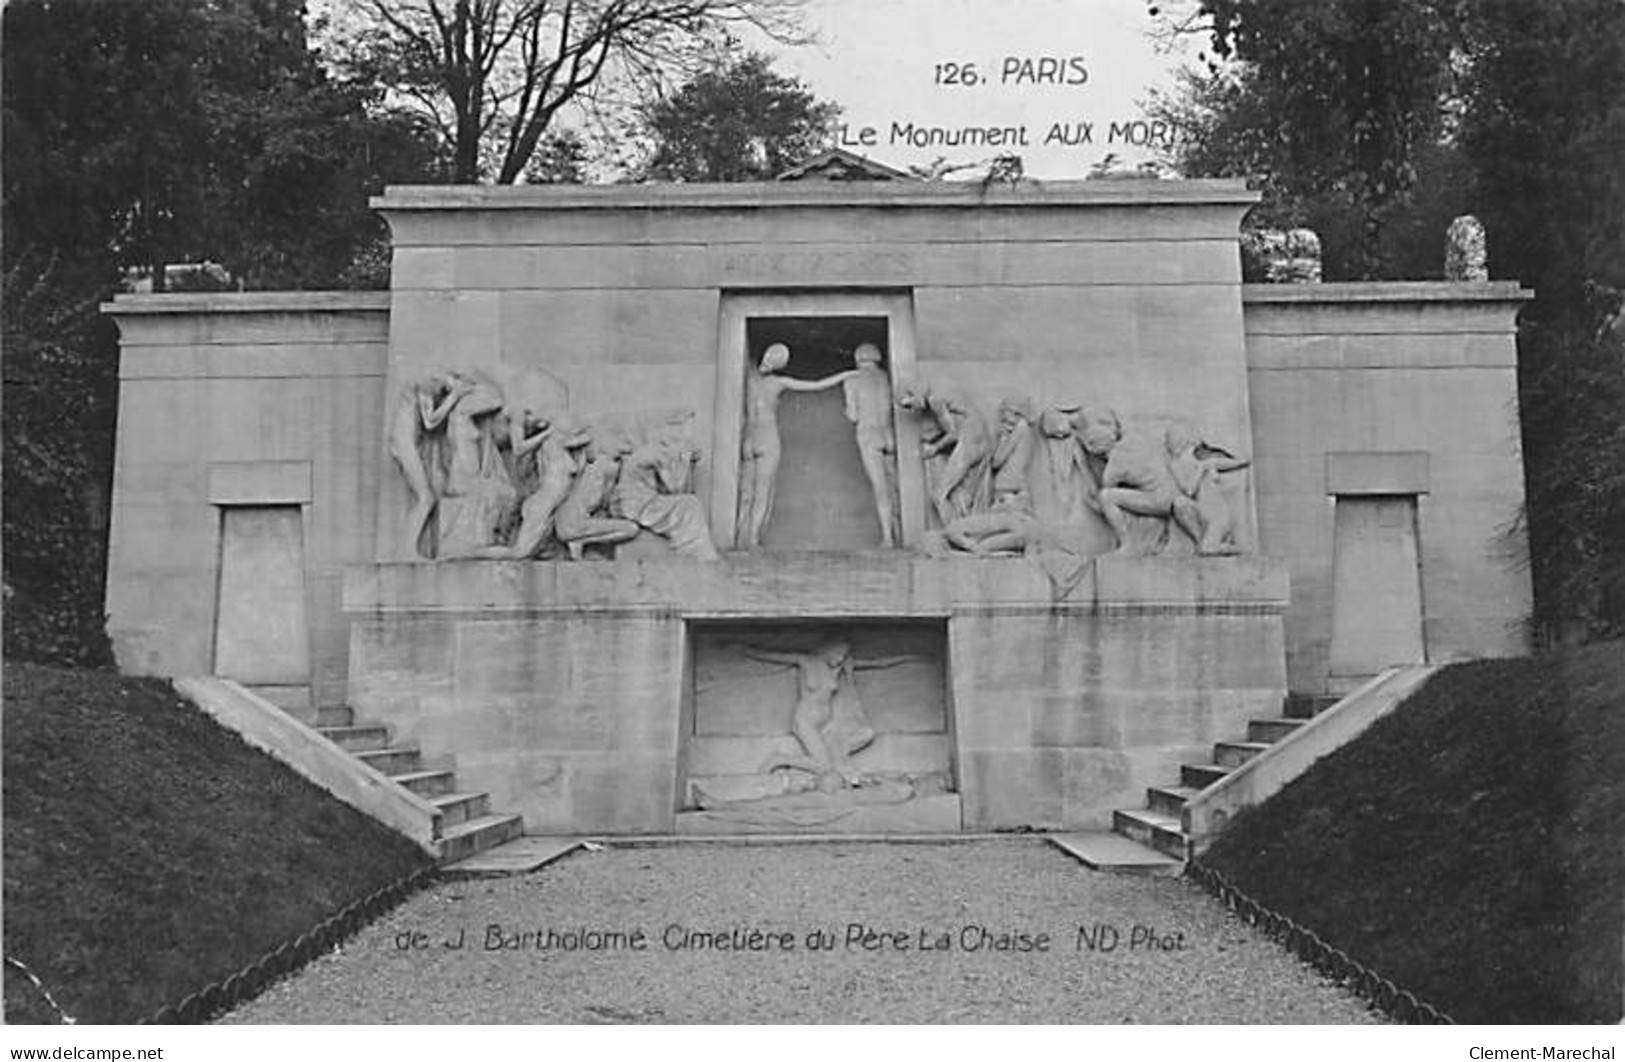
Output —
(264, 406)
(565, 690)
(1402, 391)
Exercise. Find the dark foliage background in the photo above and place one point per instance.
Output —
(1374, 122)
(137, 136)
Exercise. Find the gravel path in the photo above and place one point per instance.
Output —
(1188, 960)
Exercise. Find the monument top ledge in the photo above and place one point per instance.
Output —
(1388, 291)
(798, 194)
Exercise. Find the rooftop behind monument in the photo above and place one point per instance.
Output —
(818, 505)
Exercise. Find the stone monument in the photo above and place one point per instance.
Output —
(825, 506)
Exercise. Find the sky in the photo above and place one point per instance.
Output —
(1058, 82)
(1082, 65)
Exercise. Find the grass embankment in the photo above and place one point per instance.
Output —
(150, 852)
(1471, 846)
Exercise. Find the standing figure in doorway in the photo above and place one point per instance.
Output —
(763, 386)
(869, 408)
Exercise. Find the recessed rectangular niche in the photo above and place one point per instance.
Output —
(887, 725)
(1376, 588)
(822, 498)
(260, 631)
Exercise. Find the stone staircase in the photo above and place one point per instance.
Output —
(1159, 825)
(466, 824)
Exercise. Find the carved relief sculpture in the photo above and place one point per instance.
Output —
(830, 725)
(1132, 479)
(1013, 453)
(1197, 468)
(869, 407)
(556, 448)
(762, 447)
(477, 495)
(420, 409)
(1071, 484)
(1143, 487)
(956, 434)
(581, 519)
(447, 434)
(1139, 482)
(1007, 528)
(655, 491)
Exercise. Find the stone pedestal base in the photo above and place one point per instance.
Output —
(933, 814)
(566, 690)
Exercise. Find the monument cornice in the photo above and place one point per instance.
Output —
(1387, 291)
(227, 302)
(781, 195)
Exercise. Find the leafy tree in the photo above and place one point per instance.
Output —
(1327, 104)
(179, 130)
(138, 135)
(1543, 125)
(493, 75)
(740, 122)
(1398, 115)
(61, 384)
(561, 159)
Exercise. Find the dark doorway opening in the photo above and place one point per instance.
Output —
(823, 500)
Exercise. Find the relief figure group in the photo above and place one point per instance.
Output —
(524, 477)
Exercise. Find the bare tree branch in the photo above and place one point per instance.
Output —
(495, 74)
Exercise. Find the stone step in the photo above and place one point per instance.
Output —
(1153, 829)
(335, 715)
(1307, 705)
(1169, 799)
(1115, 853)
(363, 738)
(1271, 730)
(478, 834)
(427, 783)
(1236, 753)
(458, 808)
(1201, 775)
(522, 855)
(392, 761)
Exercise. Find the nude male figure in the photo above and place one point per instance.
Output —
(869, 408)
(763, 448)
(1139, 480)
(578, 522)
